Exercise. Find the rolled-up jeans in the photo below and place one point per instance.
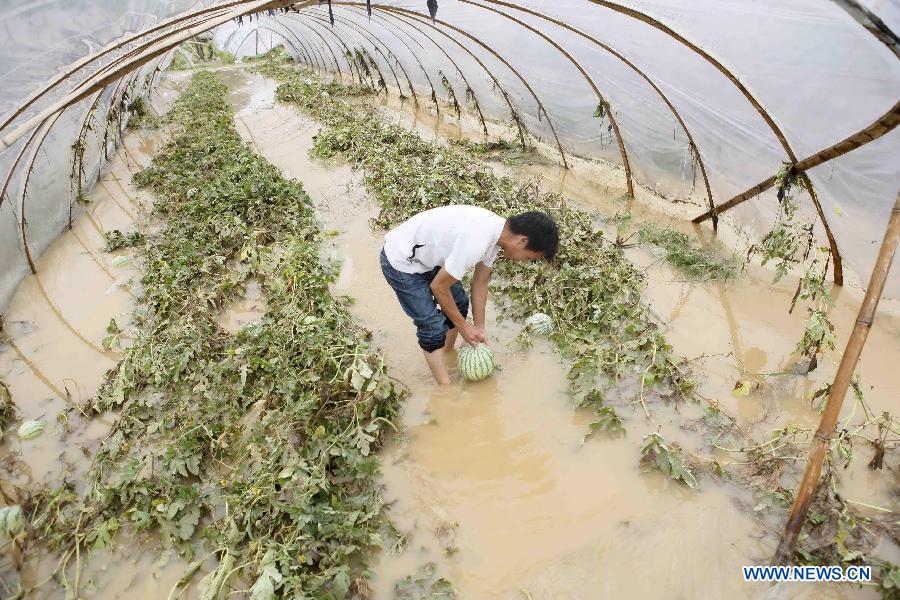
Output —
(414, 293)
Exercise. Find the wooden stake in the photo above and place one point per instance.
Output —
(855, 344)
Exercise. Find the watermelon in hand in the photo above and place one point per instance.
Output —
(476, 363)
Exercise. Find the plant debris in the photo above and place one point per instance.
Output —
(656, 454)
(116, 240)
(695, 261)
(593, 294)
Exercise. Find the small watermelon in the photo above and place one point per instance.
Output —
(540, 323)
(31, 429)
(476, 363)
(12, 521)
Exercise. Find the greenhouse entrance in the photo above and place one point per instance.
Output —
(209, 389)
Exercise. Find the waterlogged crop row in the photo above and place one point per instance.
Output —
(255, 448)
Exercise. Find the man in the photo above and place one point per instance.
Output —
(425, 258)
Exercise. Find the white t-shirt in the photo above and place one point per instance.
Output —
(455, 237)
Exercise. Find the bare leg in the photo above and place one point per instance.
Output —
(450, 342)
(438, 365)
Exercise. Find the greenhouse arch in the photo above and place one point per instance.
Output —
(191, 196)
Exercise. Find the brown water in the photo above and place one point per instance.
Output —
(491, 481)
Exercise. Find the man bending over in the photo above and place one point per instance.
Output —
(425, 258)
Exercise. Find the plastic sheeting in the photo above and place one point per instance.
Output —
(38, 41)
(817, 72)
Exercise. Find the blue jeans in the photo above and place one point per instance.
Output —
(414, 293)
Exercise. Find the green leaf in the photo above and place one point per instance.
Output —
(269, 577)
(188, 522)
(608, 422)
(656, 454)
(743, 388)
(340, 584)
(212, 586)
(112, 327)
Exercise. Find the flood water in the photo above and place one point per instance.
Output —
(491, 482)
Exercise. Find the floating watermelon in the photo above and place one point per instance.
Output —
(476, 363)
(540, 323)
(11, 520)
(31, 429)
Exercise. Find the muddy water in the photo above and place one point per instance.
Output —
(493, 482)
(240, 313)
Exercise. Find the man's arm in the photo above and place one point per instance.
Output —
(440, 287)
(479, 294)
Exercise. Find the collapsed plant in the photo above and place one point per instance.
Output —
(695, 261)
(255, 447)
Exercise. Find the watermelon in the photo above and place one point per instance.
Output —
(11, 520)
(540, 324)
(31, 429)
(476, 363)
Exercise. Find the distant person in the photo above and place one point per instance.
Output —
(425, 258)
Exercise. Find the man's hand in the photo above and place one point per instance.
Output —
(473, 334)
(479, 297)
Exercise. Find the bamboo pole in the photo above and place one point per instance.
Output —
(302, 51)
(45, 128)
(715, 62)
(886, 123)
(337, 64)
(455, 66)
(872, 23)
(371, 39)
(606, 104)
(397, 61)
(751, 98)
(411, 22)
(855, 344)
(115, 45)
(363, 36)
(618, 55)
(352, 66)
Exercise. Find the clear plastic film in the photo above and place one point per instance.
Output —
(703, 99)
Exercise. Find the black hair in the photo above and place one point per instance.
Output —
(540, 229)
